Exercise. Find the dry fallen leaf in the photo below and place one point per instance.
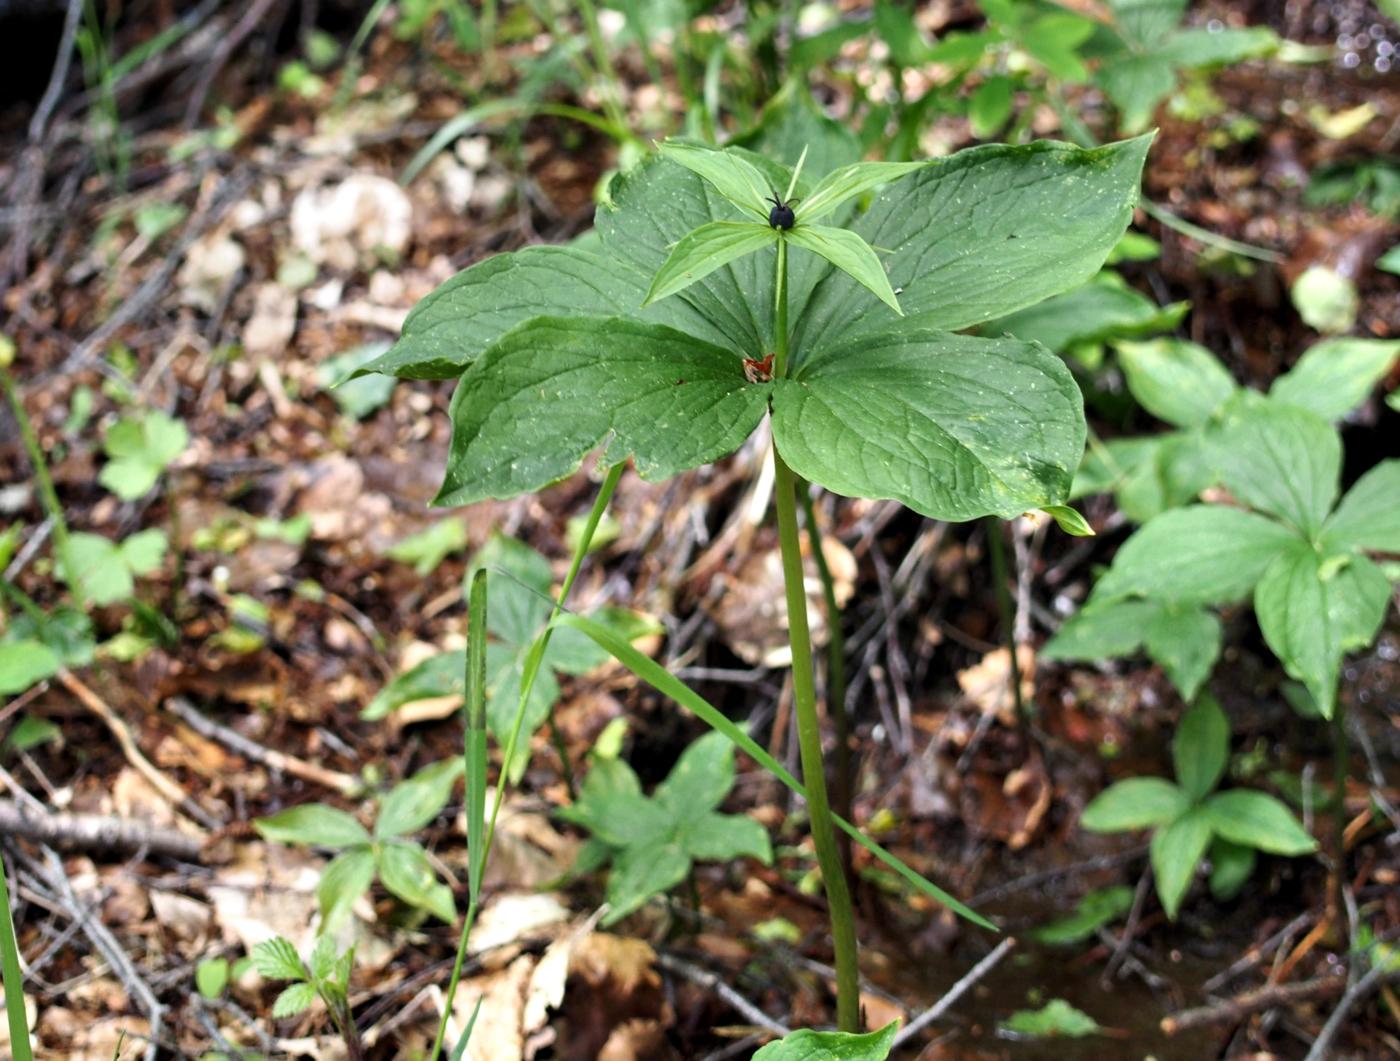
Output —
(987, 684)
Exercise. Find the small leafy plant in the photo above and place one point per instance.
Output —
(402, 865)
(1190, 819)
(652, 841)
(139, 449)
(326, 976)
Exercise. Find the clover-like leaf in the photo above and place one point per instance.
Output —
(138, 450)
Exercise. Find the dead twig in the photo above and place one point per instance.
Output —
(711, 982)
(950, 998)
(1232, 1010)
(254, 752)
(96, 832)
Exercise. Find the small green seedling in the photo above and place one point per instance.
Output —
(429, 548)
(106, 571)
(1303, 556)
(1057, 1019)
(651, 842)
(520, 610)
(1093, 912)
(1190, 818)
(139, 449)
(402, 865)
(326, 977)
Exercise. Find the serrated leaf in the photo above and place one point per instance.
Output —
(707, 248)
(1201, 554)
(1334, 376)
(322, 960)
(1281, 460)
(641, 871)
(345, 879)
(1201, 748)
(1136, 803)
(982, 234)
(1258, 820)
(1369, 515)
(849, 182)
(955, 427)
(701, 778)
(808, 1045)
(1175, 380)
(715, 837)
(295, 999)
(1177, 850)
(849, 253)
(312, 825)
(406, 872)
(24, 663)
(277, 959)
(535, 403)
(1312, 612)
(734, 177)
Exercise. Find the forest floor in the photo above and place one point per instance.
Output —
(284, 616)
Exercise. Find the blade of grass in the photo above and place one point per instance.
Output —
(14, 978)
(664, 682)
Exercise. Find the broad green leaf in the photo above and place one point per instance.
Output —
(406, 872)
(1230, 868)
(1258, 820)
(505, 667)
(1094, 911)
(417, 801)
(1200, 748)
(1104, 309)
(143, 551)
(808, 1045)
(346, 878)
(1136, 803)
(1107, 464)
(1369, 515)
(1102, 630)
(448, 330)
(30, 732)
(1217, 47)
(138, 450)
(1282, 460)
(847, 183)
(611, 806)
(641, 871)
(1186, 642)
(1147, 22)
(1176, 380)
(849, 253)
(1136, 84)
(1334, 376)
(24, 663)
(982, 234)
(277, 959)
(293, 1000)
(707, 248)
(701, 778)
(720, 837)
(531, 407)
(1057, 1019)
(1201, 554)
(1313, 610)
(429, 548)
(728, 172)
(103, 575)
(312, 825)
(953, 426)
(1177, 850)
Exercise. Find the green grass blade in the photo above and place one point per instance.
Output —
(666, 683)
(14, 978)
(460, 1050)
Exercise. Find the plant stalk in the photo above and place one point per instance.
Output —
(996, 546)
(804, 696)
(1336, 883)
(14, 977)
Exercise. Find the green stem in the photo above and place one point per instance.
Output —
(843, 787)
(804, 696)
(809, 739)
(996, 546)
(47, 493)
(612, 96)
(1337, 881)
(14, 978)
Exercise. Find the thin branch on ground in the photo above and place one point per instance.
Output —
(712, 982)
(96, 832)
(950, 998)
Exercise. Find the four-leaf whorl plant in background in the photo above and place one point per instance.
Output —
(723, 287)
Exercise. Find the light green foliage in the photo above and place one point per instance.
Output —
(402, 865)
(1390, 260)
(1095, 910)
(429, 548)
(808, 1045)
(325, 976)
(1191, 817)
(106, 570)
(211, 976)
(1057, 1019)
(652, 841)
(1326, 300)
(356, 394)
(972, 237)
(138, 449)
(1104, 310)
(155, 219)
(1146, 48)
(520, 606)
(25, 662)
